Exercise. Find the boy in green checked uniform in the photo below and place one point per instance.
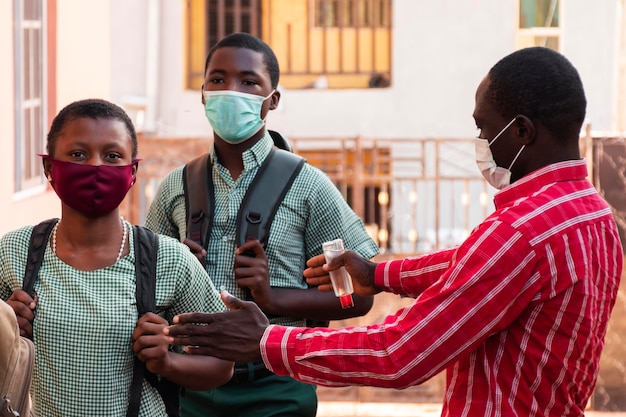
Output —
(239, 89)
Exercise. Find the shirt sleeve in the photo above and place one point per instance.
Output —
(487, 284)
(13, 254)
(166, 214)
(194, 290)
(331, 218)
(411, 276)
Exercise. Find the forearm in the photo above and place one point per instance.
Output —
(411, 276)
(321, 357)
(197, 372)
(313, 304)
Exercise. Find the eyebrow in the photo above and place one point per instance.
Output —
(245, 72)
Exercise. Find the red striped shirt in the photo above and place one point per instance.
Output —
(516, 315)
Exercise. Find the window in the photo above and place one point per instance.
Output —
(351, 13)
(30, 91)
(539, 24)
(208, 21)
(319, 43)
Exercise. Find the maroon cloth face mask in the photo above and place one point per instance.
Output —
(93, 190)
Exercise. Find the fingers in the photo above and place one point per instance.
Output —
(323, 285)
(149, 324)
(316, 261)
(197, 250)
(251, 247)
(23, 297)
(26, 327)
(232, 302)
(193, 246)
(149, 341)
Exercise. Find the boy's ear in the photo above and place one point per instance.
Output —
(274, 100)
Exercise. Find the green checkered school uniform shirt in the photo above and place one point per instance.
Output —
(84, 321)
(312, 212)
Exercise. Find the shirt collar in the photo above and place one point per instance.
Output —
(575, 169)
(254, 156)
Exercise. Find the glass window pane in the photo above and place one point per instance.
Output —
(364, 13)
(29, 92)
(347, 13)
(32, 9)
(539, 13)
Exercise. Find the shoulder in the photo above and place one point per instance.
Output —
(16, 239)
(173, 179)
(170, 187)
(176, 253)
(313, 180)
(14, 250)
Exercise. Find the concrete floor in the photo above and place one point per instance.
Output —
(360, 409)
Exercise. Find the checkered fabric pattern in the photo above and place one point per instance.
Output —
(312, 212)
(84, 321)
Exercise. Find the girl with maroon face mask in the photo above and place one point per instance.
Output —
(91, 165)
(83, 319)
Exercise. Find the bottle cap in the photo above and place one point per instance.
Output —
(346, 301)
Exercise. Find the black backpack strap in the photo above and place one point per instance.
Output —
(36, 248)
(200, 195)
(265, 194)
(199, 199)
(280, 141)
(146, 250)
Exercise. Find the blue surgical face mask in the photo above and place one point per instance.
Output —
(234, 116)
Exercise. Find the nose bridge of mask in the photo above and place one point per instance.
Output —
(214, 93)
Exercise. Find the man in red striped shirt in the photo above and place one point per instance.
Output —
(516, 315)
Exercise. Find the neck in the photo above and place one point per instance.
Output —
(231, 156)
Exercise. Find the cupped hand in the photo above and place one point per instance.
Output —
(24, 306)
(150, 344)
(232, 335)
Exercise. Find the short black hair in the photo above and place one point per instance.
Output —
(92, 108)
(541, 84)
(248, 41)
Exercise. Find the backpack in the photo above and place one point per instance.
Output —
(260, 203)
(17, 358)
(258, 207)
(146, 249)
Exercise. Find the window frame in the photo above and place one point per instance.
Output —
(526, 37)
(329, 57)
(30, 131)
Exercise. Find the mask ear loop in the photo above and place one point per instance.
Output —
(502, 131)
(268, 96)
(515, 159)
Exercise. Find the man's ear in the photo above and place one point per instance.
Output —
(274, 100)
(202, 95)
(524, 129)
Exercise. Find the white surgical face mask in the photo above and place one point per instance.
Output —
(234, 116)
(497, 176)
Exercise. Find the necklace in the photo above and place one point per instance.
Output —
(119, 254)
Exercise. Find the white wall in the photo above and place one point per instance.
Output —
(83, 71)
(83, 51)
(441, 51)
(591, 43)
